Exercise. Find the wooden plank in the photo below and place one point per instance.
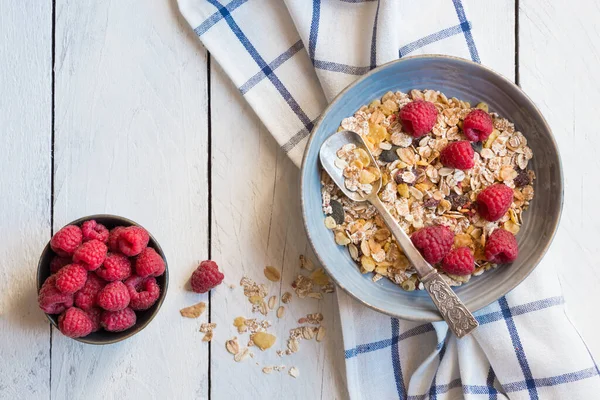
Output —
(257, 222)
(558, 62)
(131, 139)
(26, 126)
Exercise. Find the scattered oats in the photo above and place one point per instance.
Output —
(286, 298)
(293, 372)
(267, 370)
(251, 288)
(193, 311)
(306, 263)
(315, 319)
(279, 368)
(302, 285)
(263, 340)
(320, 333)
(316, 295)
(293, 345)
(280, 311)
(207, 327)
(254, 325)
(241, 355)
(272, 301)
(208, 336)
(272, 273)
(232, 346)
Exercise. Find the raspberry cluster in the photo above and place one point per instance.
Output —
(100, 278)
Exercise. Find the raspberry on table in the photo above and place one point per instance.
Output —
(116, 267)
(478, 125)
(206, 277)
(58, 262)
(93, 230)
(66, 241)
(132, 240)
(143, 292)
(501, 247)
(75, 323)
(95, 313)
(113, 297)
(458, 155)
(433, 242)
(113, 238)
(459, 262)
(418, 117)
(494, 201)
(51, 300)
(118, 321)
(71, 278)
(86, 297)
(90, 254)
(149, 263)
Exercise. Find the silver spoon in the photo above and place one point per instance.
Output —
(455, 313)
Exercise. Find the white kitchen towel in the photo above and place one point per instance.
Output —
(288, 58)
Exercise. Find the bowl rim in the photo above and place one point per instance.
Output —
(159, 302)
(434, 57)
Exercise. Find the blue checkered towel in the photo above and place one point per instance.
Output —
(288, 58)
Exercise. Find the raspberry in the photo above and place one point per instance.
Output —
(206, 277)
(66, 241)
(434, 242)
(75, 323)
(132, 240)
(113, 238)
(113, 297)
(51, 300)
(117, 321)
(143, 292)
(116, 267)
(58, 262)
(93, 230)
(494, 201)
(94, 314)
(418, 117)
(149, 263)
(86, 297)
(459, 262)
(71, 278)
(458, 155)
(477, 125)
(90, 254)
(501, 247)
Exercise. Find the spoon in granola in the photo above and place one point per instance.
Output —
(366, 187)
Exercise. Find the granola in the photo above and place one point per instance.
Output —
(418, 190)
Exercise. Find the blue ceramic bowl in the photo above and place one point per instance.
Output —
(467, 81)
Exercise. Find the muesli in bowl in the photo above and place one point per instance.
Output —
(455, 177)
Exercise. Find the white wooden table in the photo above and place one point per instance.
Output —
(115, 107)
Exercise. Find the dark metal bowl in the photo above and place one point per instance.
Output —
(143, 317)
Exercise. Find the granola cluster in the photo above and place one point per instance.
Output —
(418, 190)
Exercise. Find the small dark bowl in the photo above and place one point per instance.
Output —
(143, 317)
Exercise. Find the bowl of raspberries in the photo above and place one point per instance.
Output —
(101, 279)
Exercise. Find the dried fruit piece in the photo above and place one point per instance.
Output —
(390, 155)
(263, 340)
(337, 212)
(193, 311)
(320, 277)
(272, 274)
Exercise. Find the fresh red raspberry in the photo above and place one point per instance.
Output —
(501, 247)
(66, 241)
(143, 292)
(434, 242)
(113, 297)
(494, 201)
(86, 297)
(132, 240)
(51, 300)
(71, 278)
(117, 321)
(113, 238)
(206, 277)
(459, 262)
(58, 262)
(149, 263)
(418, 117)
(116, 267)
(75, 323)
(90, 254)
(478, 125)
(93, 230)
(95, 313)
(458, 155)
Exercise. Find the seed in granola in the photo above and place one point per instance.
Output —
(232, 346)
(390, 155)
(337, 212)
(263, 340)
(272, 273)
(280, 311)
(286, 297)
(272, 301)
(193, 311)
(293, 372)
